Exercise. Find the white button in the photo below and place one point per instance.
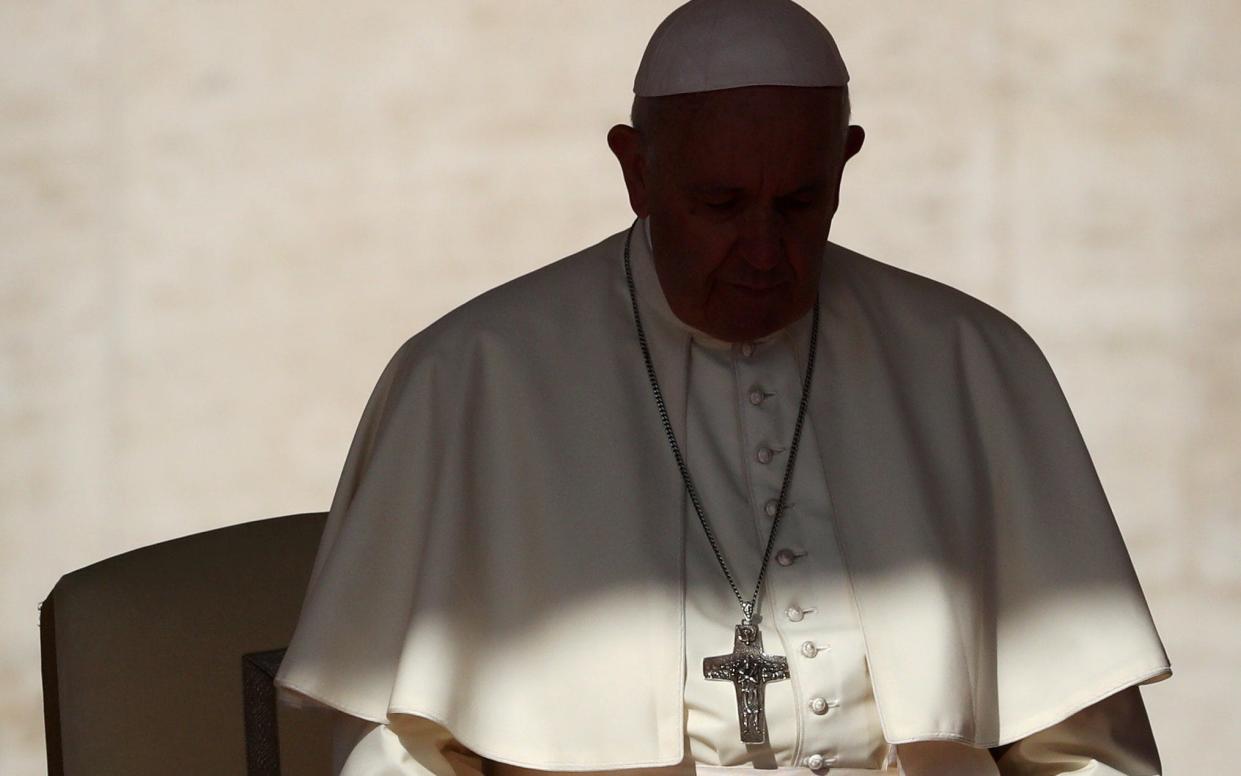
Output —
(770, 507)
(816, 761)
(785, 557)
(818, 705)
(756, 397)
(747, 349)
(809, 649)
(794, 613)
(764, 455)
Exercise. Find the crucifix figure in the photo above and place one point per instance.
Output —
(749, 670)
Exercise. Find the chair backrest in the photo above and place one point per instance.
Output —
(160, 660)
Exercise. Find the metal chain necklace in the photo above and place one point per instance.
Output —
(747, 666)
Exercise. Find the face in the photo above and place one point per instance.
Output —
(740, 186)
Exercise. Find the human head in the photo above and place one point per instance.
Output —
(740, 183)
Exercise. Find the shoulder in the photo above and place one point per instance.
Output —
(537, 308)
(904, 303)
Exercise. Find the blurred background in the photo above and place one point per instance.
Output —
(219, 220)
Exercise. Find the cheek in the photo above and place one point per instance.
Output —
(805, 249)
(800, 258)
(705, 249)
(807, 265)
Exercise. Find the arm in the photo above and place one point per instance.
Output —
(1110, 738)
(407, 746)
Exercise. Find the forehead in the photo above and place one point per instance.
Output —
(767, 130)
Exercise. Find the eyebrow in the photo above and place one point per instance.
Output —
(812, 187)
(719, 190)
(715, 190)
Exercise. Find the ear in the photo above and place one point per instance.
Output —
(626, 144)
(854, 137)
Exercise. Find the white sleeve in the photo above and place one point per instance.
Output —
(407, 746)
(1110, 738)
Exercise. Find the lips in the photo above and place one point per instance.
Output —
(756, 289)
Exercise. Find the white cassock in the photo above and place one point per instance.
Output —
(737, 407)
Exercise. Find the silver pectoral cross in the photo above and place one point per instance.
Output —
(749, 670)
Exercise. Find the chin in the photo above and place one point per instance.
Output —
(747, 319)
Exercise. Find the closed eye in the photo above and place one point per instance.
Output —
(799, 203)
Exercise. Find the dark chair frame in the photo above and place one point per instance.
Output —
(258, 674)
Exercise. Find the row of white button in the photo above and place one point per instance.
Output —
(818, 704)
(786, 557)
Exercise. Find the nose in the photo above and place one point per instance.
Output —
(761, 238)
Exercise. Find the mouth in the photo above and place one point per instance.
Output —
(756, 290)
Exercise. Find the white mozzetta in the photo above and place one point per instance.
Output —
(499, 556)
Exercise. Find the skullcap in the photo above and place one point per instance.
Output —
(705, 45)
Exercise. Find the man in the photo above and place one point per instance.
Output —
(552, 544)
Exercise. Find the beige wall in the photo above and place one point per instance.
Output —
(218, 221)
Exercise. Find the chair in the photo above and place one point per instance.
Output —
(161, 660)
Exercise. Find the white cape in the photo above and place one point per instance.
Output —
(504, 552)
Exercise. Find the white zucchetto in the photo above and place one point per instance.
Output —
(705, 45)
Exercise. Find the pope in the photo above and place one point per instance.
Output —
(717, 494)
